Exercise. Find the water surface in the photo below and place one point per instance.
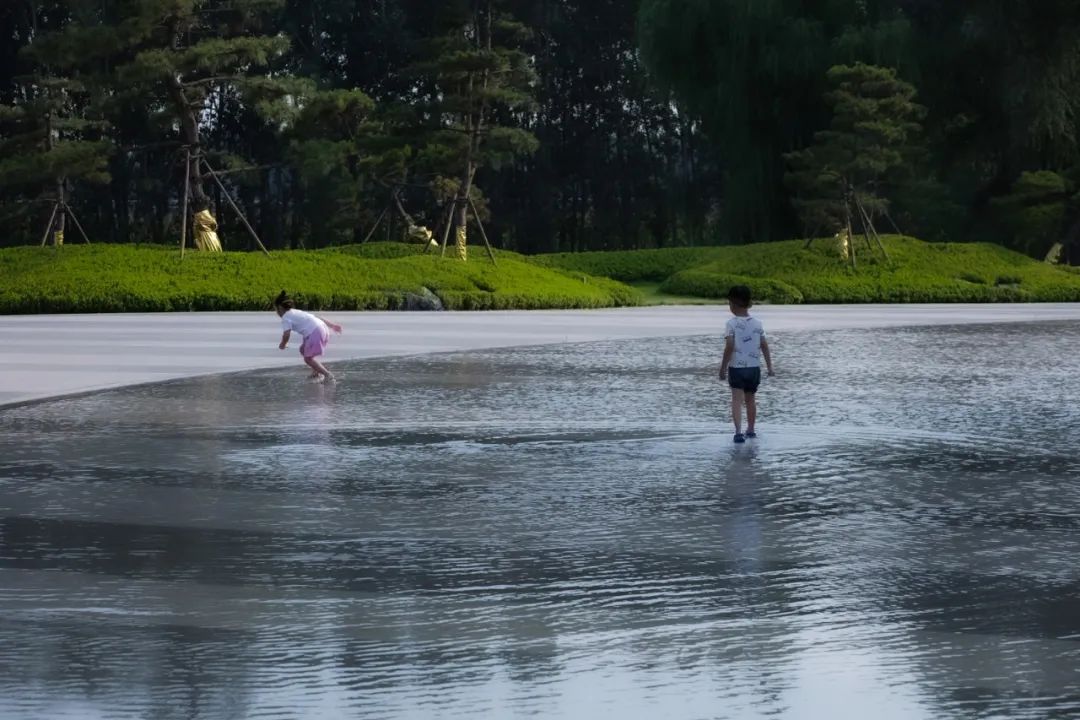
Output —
(558, 532)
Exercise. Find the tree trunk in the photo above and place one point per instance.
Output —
(461, 211)
(850, 240)
(61, 216)
(474, 126)
(61, 196)
(189, 129)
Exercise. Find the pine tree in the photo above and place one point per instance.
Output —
(328, 148)
(181, 58)
(46, 147)
(476, 76)
(50, 137)
(838, 180)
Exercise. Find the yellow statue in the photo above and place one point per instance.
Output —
(420, 234)
(460, 244)
(1054, 256)
(843, 244)
(206, 232)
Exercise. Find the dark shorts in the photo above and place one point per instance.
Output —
(745, 379)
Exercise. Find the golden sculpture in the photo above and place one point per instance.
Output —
(206, 237)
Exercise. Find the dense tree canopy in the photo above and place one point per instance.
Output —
(318, 110)
(571, 125)
(999, 81)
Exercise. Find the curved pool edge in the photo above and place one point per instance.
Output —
(48, 357)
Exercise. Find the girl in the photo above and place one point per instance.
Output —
(315, 330)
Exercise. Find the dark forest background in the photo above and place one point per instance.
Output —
(572, 124)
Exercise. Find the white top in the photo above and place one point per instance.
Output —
(302, 322)
(748, 333)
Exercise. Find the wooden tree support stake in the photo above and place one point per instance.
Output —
(49, 226)
(375, 226)
(395, 200)
(868, 224)
(78, 225)
(449, 218)
(850, 238)
(483, 234)
(446, 230)
(233, 205)
(810, 237)
(893, 223)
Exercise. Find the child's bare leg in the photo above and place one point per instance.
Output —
(317, 367)
(751, 411)
(738, 397)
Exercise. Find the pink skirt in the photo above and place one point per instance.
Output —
(315, 343)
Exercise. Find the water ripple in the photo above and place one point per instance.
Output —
(559, 532)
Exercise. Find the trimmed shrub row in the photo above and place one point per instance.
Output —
(631, 265)
(380, 276)
(116, 278)
(706, 284)
(788, 272)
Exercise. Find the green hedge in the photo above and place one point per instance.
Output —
(379, 276)
(706, 284)
(379, 250)
(122, 278)
(631, 265)
(929, 272)
(916, 271)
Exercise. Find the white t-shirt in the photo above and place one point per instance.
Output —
(748, 333)
(302, 322)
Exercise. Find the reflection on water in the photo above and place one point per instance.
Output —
(562, 532)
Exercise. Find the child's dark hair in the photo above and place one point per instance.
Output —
(283, 301)
(740, 296)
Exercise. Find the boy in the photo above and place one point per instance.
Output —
(744, 345)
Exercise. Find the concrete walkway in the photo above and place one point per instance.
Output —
(54, 355)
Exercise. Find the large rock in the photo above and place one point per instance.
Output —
(423, 300)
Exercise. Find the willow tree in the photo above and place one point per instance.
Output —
(754, 73)
(1012, 70)
(476, 76)
(180, 59)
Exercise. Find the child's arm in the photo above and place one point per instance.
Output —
(333, 326)
(284, 340)
(729, 349)
(768, 356)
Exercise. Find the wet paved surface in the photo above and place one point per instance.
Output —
(53, 355)
(558, 532)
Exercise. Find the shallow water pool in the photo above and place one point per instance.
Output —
(558, 532)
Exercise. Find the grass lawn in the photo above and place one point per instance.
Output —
(786, 272)
(126, 278)
(380, 276)
(652, 295)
